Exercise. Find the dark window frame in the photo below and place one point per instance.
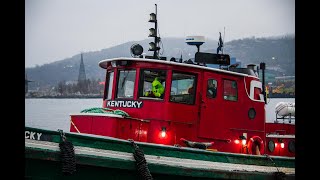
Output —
(141, 82)
(237, 95)
(117, 83)
(216, 88)
(195, 83)
(106, 87)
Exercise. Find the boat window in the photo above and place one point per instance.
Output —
(230, 90)
(211, 88)
(152, 84)
(110, 84)
(183, 88)
(126, 83)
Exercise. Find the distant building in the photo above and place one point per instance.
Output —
(283, 85)
(276, 68)
(285, 78)
(26, 84)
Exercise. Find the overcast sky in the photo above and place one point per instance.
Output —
(58, 29)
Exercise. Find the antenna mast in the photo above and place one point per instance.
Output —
(156, 53)
(154, 46)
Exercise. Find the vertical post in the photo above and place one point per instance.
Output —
(263, 67)
(289, 117)
(263, 87)
(155, 53)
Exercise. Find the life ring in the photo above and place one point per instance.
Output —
(252, 146)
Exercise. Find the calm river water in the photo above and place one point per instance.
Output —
(53, 114)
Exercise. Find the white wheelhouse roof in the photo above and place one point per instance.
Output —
(103, 64)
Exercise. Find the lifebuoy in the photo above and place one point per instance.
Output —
(255, 145)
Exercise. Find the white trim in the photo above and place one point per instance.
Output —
(246, 89)
(162, 160)
(96, 114)
(280, 136)
(256, 84)
(103, 64)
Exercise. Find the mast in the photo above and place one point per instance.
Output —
(154, 46)
(156, 53)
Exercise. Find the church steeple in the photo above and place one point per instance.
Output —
(82, 72)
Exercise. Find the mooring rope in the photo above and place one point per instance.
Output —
(67, 155)
(141, 162)
(278, 175)
(96, 110)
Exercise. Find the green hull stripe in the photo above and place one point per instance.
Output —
(161, 160)
(114, 144)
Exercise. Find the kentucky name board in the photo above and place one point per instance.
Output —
(37, 136)
(125, 104)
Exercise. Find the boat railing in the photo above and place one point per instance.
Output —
(289, 118)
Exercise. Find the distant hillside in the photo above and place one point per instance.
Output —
(68, 69)
(248, 50)
(277, 53)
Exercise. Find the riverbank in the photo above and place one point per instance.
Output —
(66, 97)
(281, 96)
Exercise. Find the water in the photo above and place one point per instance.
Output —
(53, 114)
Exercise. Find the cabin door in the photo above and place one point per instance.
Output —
(211, 112)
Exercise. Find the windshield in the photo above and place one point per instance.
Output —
(153, 84)
(183, 88)
(126, 83)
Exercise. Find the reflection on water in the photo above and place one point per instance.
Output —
(53, 114)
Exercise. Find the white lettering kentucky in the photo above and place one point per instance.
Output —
(125, 104)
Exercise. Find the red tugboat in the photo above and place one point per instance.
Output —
(170, 119)
(186, 103)
(172, 103)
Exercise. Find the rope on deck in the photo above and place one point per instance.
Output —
(67, 155)
(277, 175)
(141, 162)
(105, 111)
